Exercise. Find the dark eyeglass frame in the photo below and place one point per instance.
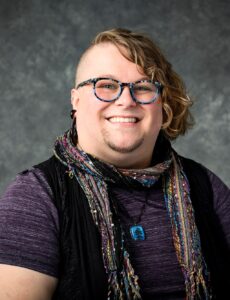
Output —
(157, 84)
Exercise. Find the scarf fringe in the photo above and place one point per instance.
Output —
(196, 287)
(185, 233)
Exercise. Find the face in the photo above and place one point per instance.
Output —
(123, 132)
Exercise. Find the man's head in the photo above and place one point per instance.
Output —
(123, 132)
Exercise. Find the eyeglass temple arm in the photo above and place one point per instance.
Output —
(84, 83)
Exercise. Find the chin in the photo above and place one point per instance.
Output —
(125, 147)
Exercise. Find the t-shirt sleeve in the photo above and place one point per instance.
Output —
(221, 200)
(29, 227)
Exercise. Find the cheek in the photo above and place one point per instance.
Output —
(85, 118)
(156, 116)
(89, 113)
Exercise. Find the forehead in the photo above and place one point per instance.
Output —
(107, 59)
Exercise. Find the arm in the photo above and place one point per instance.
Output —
(17, 283)
(29, 246)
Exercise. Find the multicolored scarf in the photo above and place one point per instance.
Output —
(95, 176)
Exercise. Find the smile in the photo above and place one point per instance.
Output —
(123, 120)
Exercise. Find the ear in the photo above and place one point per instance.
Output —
(74, 98)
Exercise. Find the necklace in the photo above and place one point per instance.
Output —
(137, 231)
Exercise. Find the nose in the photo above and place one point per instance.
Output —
(125, 98)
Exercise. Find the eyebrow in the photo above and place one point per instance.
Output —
(116, 78)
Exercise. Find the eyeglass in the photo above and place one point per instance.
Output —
(108, 89)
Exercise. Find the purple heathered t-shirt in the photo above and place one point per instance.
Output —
(29, 227)
(29, 231)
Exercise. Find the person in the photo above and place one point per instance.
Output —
(116, 212)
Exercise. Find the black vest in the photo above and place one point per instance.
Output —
(82, 275)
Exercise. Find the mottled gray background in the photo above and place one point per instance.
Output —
(40, 43)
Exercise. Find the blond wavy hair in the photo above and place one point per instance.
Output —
(142, 51)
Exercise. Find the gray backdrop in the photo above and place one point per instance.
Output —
(40, 43)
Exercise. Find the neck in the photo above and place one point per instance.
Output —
(122, 160)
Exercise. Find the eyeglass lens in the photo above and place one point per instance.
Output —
(108, 90)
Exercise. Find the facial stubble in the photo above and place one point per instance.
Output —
(121, 149)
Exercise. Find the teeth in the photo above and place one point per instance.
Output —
(122, 120)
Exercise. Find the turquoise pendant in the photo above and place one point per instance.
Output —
(137, 233)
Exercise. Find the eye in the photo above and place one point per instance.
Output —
(142, 88)
(107, 85)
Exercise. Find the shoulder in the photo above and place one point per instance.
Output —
(191, 165)
(200, 174)
(196, 168)
(30, 193)
(28, 185)
(221, 192)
